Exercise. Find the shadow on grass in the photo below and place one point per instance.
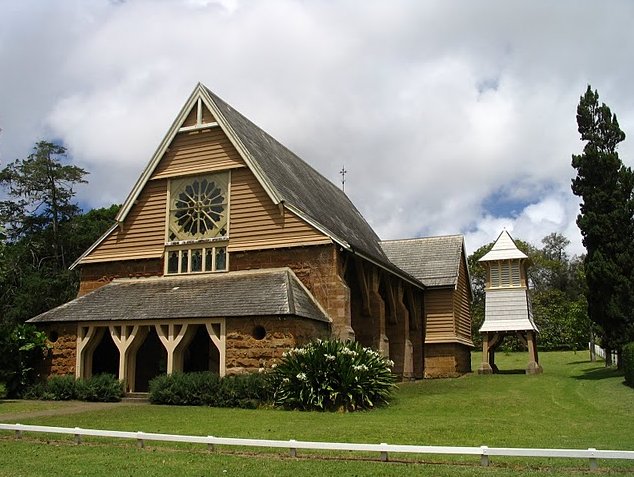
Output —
(578, 362)
(511, 371)
(594, 374)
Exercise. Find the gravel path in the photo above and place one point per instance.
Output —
(75, 407)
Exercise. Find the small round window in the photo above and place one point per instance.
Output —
(259, 332)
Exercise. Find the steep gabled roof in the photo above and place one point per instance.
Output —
(300, 187)
(288, 180)
(504, 248)
(274, 292)
(435, 261)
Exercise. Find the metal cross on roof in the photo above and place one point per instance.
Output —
(343, 173)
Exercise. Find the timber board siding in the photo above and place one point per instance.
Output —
(142, 235)
(256, 222)
(439, 315)
(462, 311)
(197, 152)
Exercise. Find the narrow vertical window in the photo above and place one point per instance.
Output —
(197, 260)
(221, 258)
(184, 261)
(172, 262)
(209, 259)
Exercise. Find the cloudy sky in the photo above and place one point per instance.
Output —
(449, 116)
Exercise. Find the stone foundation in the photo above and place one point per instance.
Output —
(447, 360)
(248, 351)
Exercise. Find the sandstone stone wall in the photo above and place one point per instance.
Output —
(95, 275)
(60, 359)
(445, 360)
(246, 353)
(318, 268)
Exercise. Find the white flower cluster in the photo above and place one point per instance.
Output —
(294, 351)
(348, 352)
(329, 357)
(390, 363)
(360, 367)
(286, 380)
(302, 377)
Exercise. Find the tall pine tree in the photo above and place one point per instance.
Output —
(605, 187)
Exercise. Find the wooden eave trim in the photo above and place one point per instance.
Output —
(316, 225)
(94, 246)
(449, 340)
(198, 127)
(391, 271)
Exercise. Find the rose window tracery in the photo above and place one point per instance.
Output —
(198, 208)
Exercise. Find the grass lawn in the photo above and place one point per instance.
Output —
(574, 404)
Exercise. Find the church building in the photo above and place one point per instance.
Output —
(230, 250)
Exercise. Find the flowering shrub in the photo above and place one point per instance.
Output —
(332, 376)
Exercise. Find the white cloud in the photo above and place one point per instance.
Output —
(434, 107)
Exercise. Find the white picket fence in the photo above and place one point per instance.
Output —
(382, 449)
(600, 352)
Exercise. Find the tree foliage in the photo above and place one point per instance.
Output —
(42, 231)
(40, 189)
(605, 187)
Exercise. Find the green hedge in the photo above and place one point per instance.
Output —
(99, 388)
(208, 389)
(628, 363)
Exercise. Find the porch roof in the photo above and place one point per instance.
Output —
(274, 292)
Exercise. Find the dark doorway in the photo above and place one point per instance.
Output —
(105, 358)
(151, 360)
(201, 354)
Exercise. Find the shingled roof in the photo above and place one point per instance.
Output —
(273, 292)
(434, 261)
(300, 186)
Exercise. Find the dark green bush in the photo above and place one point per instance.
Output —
(3, 391)
(61, 388)
(332, 376)
(208, 389)
(22, 348)
(185, 389)
(99, 388)
(628, 363)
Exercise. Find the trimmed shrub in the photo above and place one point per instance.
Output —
(628, 363)
(3, 391)
(185, 389)
(332, 376)
(246, 391)
(99, 388)
(208, 389)
(61, 388)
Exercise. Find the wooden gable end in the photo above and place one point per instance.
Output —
(142, 235)
(255, 222)
(196, 152)
(461, 304)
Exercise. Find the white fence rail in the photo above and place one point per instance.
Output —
(600, 352)
(292, 445)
